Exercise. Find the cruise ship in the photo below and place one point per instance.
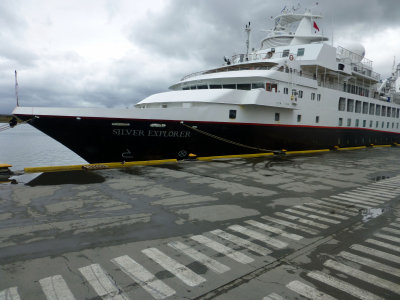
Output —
(296, 92)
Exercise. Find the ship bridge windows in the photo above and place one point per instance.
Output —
(271, 87)
(383, 113)
(244, 86)
(215, 86)
(202, 87)
(371, 108)
(350, 105)
(358, 106)
(229, 86)
(285, 53)
(300, 52)
(378, 110)
(365, 108)
(342, 104)
(258, 85)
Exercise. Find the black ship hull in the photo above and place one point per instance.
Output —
(100, 140)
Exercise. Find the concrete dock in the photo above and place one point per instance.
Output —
(320, 226)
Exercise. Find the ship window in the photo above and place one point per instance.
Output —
(298, 118)
(300, 94)
(274, 87)
(300, 52)
(202, 87)
(364, 123)
(185, 88)
(371, 108)
(365, 107)
(244, 86)
(286, 91)
(312, 96)
(371, 123)
(341, 67)
(258, 85)
(215, 86)
(340, 121)
(392, 125)
(397, 126)
(285, 53)
(193, 87)
(349, 122)
(389, 110)
(377, 124)
(383, 111)
(357, 122)
(317, 119)
(342, 104)
(378, 110)
(350, 105)
(398, 113)
(358, 106)
(232, 114)
(277, 116)
(164, 105)
(318, 97)
(393, 112)
(387, 126)
(229, 86)
(383, 124)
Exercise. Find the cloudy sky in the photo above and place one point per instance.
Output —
(113, 53)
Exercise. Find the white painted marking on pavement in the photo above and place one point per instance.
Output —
(373, 196)
(300, 220)
(378, 191)
(343, 286)
(154, 286)
(388, 237)
(200, 257)
(356, 202)
(370, 263)
(10, 294)
(307, 215)
(56, 288)
(189, 277)
(102, 283)
(342, 207)
(330, 206)
(308, 291)
(364, 197)
(395, 231)
(321, 212)
(364, 276)
(273, 296)
(291, 225)
(259, 236)
(346, 205)
(395, 225)
(272, 229)
(241, 242)
(237, 256)
(383, 245)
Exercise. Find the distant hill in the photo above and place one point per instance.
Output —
(5, 118)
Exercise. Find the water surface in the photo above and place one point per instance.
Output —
(24, 146)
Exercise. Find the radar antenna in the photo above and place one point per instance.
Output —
(248, 31)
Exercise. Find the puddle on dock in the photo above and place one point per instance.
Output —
(372, 213)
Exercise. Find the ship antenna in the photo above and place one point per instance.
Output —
(248, 31)
(16, 87)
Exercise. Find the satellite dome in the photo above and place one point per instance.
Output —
(357, 49)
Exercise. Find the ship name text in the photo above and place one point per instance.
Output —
(152, 133)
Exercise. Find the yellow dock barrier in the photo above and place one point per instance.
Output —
(193, 156)
(98, 166)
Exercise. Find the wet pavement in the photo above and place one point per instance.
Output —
(323, 226)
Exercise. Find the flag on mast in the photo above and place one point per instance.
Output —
(316, 26)
(16, 87)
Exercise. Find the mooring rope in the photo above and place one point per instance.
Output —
(228, 141)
